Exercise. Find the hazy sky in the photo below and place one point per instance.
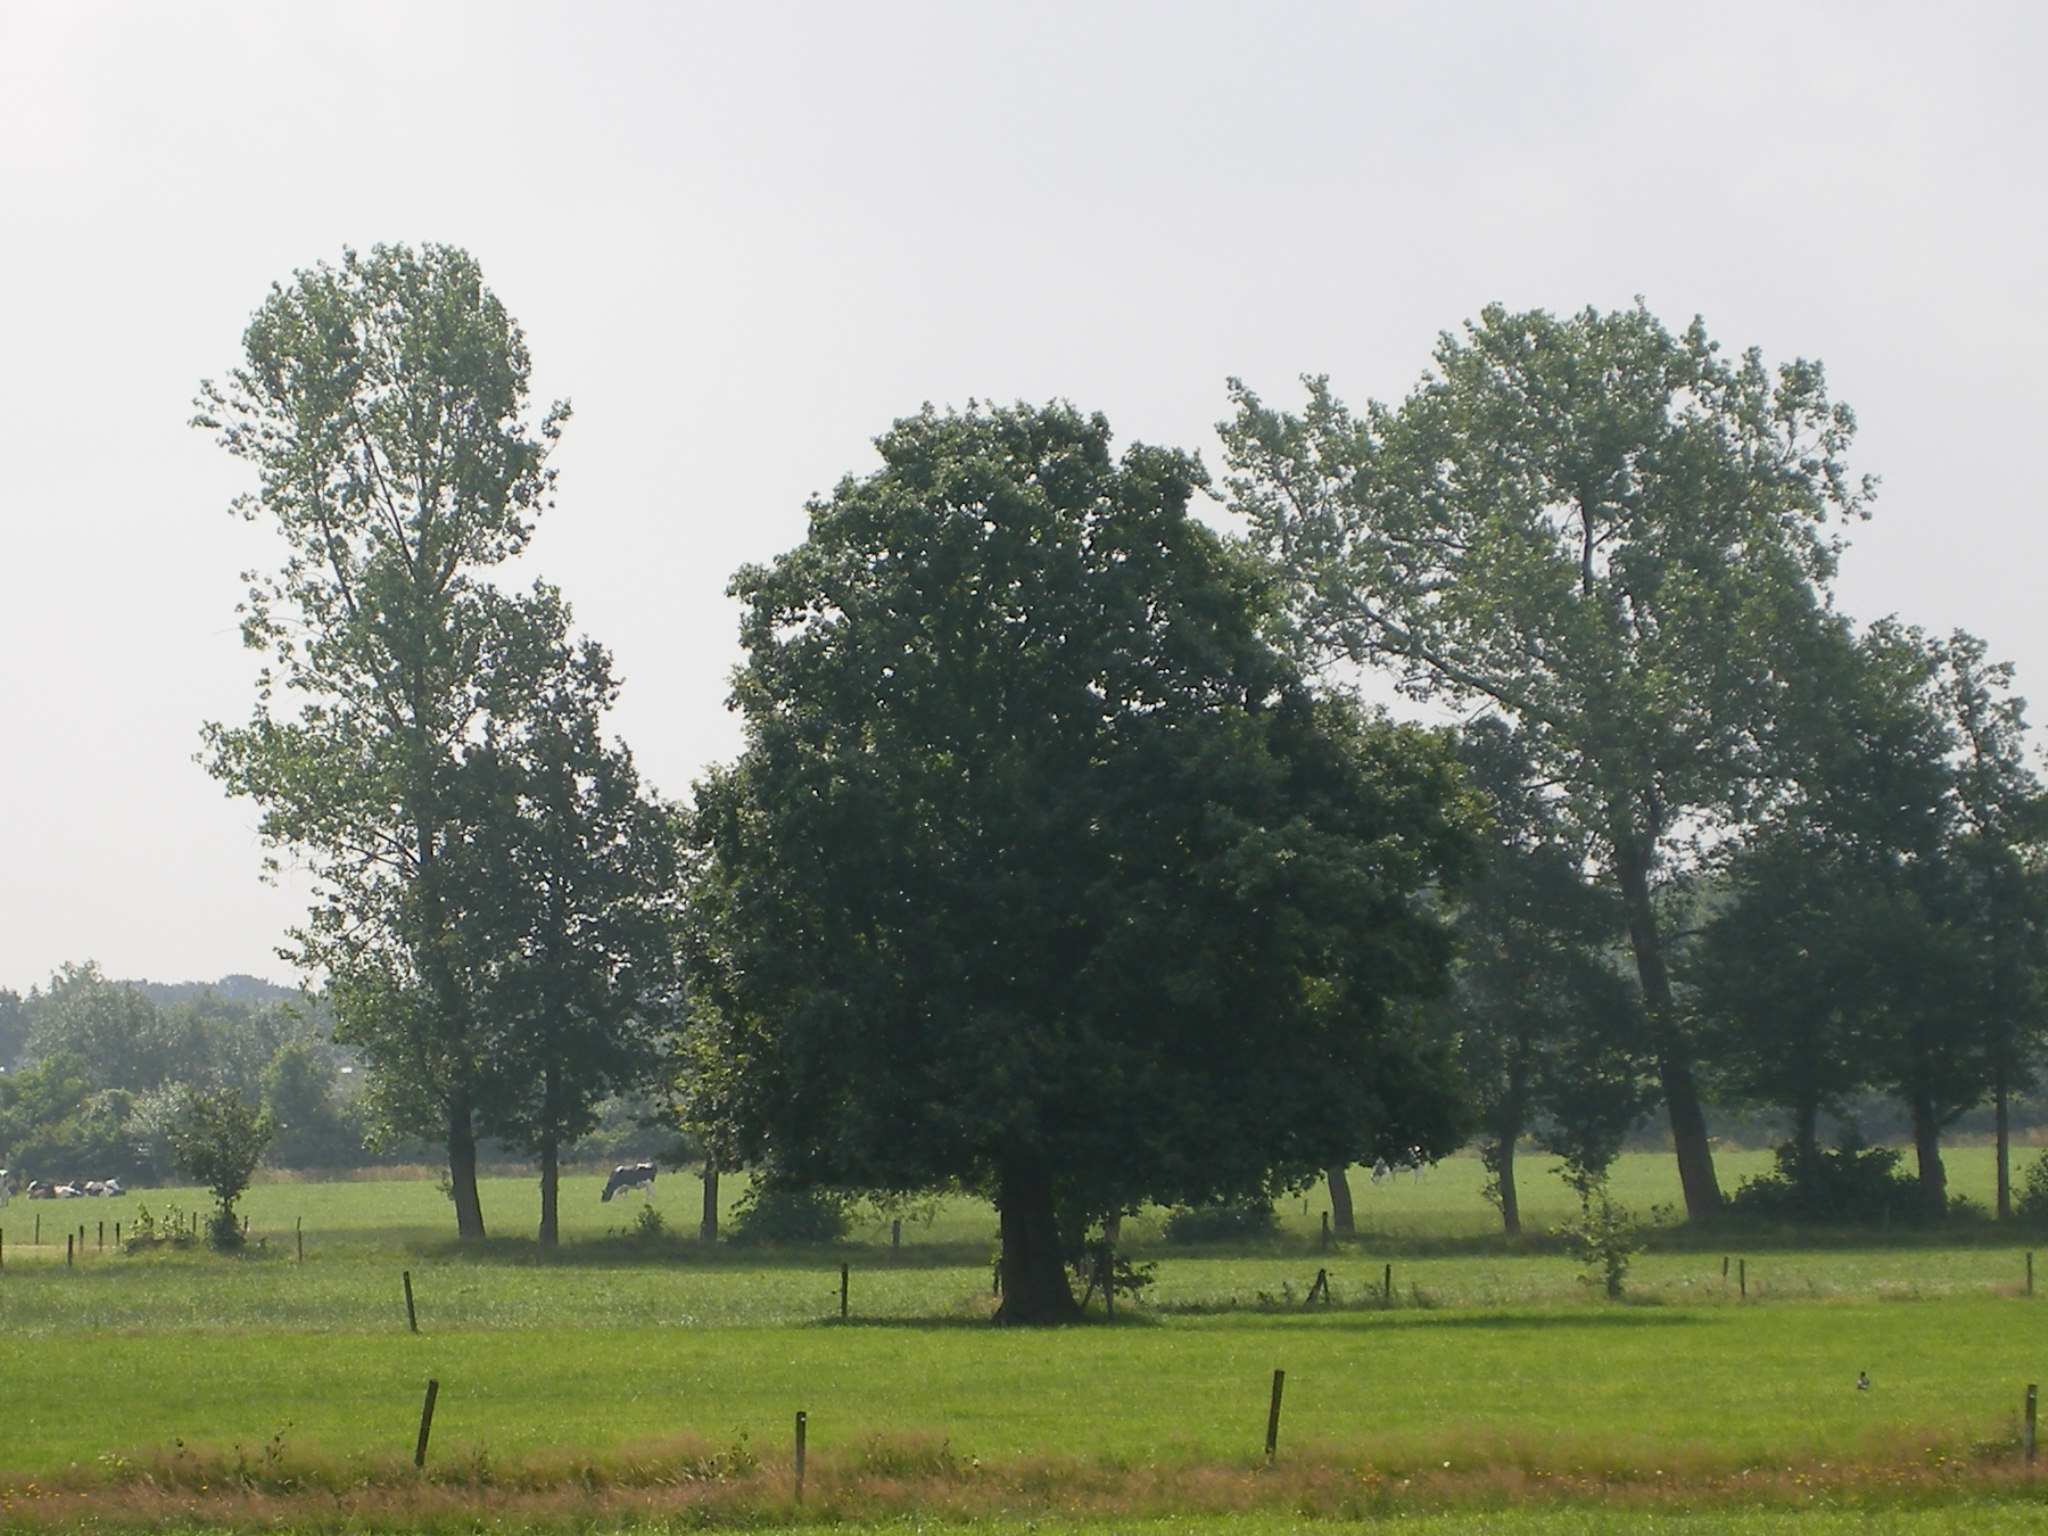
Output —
(744, 237)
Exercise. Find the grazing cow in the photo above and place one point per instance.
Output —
(1413, 1161)
(70, 1192)
(38, 1190)
(6, 1188)
(99, 1187)
(629, 1176)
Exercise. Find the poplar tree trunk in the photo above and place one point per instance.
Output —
(707, 1225)
(1341, 1219)
(2002, 1110)
(550, 1157)
(1927, 1149)
(550, 1194)
(469, 1211)
(1674, 1061)
(1510, 1201)
(1035, 1285)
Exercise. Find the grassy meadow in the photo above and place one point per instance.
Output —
(657, 1378)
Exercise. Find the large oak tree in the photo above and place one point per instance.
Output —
(1043, 871)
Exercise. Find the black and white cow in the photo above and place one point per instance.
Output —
(629, 1176)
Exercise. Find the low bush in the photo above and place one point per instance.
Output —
(1852, 1185)
(767, 1214)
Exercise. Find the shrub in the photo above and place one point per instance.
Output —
(1854, 1184)
(1225, 1222)
(2030, 1202)
(1605, 1236)
(769, 1214)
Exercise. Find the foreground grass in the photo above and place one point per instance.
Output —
(652, 1383)
(1585, 1389)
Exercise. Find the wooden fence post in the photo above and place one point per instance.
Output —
(1742, 1277)
(1273, 1417)
(412, 1318)
(2033, 1394)
(419, 1451)
(1387, 1285)
(802, 1422)
(842, 1292)
(67, 1250)
(2030, 1271)
(299, 1232)
(896, 1233)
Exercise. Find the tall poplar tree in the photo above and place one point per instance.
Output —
(383, 404)
(1614, 535)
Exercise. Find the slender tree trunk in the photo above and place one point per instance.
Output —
(1674, 1060)
(1510, 1200)
(1035, 1286)
(1113, 1228)
(469, 1211)
(707, 1225)
(1341, 1220)
(2001, 1098)
(550, 1159)
(1927, 1149)
(550, 1194)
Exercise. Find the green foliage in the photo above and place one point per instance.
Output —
(1615, 536)
(219, 1139)
(2031, 1203)
(13, 1028)
(1850, 1185)
(1236, 1221)
(1043, 869)
(298, 1095)
(428, 744)
(769, 1213)
(1549, 1032)
(1605, 1236)
(148, 1230)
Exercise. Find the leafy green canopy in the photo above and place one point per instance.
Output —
(1614, 535)
(428, 744)
(1042, 867)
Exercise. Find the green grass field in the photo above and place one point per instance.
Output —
(1495, 1387)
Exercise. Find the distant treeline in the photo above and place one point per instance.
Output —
(93, 1070)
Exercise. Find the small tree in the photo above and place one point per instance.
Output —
(1605, 1236)
(219, 1140)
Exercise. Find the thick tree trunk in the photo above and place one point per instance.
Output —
(1674, 1061)
(1806, 1150)
(550, 1194)
(1035, 1286)
(1927, 1149)
(1510, 1200)
(2001, 1099)
(469, 1211)
(707, 1225)
(1341, 1218)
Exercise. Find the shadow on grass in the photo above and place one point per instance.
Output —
(688, 1253)
(1374, 1315)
